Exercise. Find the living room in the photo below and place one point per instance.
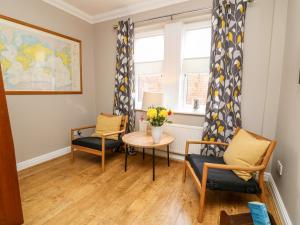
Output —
(198, 70)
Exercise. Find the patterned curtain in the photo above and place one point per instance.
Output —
(223, 107)
(124, 82)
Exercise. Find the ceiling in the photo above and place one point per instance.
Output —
(94, 7)
(95, 11)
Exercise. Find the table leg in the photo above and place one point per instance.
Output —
(126, 155)
(168, 152)
(153, 161)
(143, 153)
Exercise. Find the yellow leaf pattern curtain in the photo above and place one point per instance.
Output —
(223, 108)
(124, 80)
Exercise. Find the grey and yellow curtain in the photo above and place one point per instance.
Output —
(223, 108)
(124, 80)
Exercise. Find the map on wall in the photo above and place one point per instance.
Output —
(37, 61)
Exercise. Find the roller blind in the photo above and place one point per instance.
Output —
(148, 68)
(196, 65)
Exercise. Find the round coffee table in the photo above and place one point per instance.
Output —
(145, 141)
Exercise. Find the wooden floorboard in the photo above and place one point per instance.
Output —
(59, 192)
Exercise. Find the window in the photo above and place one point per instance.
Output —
(148, 57)
(175, 61)
(195, 69)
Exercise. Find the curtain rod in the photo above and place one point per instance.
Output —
(175, 14)
(170, 15)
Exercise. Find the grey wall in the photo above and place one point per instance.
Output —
(288, 134)
(41, 124)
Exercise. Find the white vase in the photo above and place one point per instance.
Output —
(156, 134)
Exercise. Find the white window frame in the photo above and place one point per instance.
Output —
(184, 81)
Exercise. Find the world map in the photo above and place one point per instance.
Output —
(33, 60)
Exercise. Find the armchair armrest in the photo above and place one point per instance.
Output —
(188, 142)
(112, 133)
(83, 128)
(233, 167)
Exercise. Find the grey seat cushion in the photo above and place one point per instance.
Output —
(218, 179)
(96, 143)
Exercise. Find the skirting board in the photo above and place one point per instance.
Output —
(268, 177)
(42, 158)
(278, 200)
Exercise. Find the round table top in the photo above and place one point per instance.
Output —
(144, 140)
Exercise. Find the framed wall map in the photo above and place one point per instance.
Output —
(35, 60)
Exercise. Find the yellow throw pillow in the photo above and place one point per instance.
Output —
(107, 124)
(245, 150)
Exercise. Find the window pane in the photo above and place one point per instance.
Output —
(197, 86)
(149, 83)
(197, 43)
(149, 49)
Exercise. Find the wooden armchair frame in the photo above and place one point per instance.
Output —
(201, 185)
(101, 153)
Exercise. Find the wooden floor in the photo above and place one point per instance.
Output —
(58, 193)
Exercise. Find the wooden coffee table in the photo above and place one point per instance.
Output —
(145, 141)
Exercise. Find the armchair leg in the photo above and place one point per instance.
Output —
(184, 172)
(103, 154)
(202, 195)
(262, 195)
(261, 183)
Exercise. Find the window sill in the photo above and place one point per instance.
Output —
(182, 112)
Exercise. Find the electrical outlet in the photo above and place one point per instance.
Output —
(279, 167)
(76, 133)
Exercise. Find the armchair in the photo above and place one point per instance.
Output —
(97, 145)
(212, 172)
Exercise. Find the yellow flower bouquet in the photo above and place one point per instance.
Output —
(157, 116)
